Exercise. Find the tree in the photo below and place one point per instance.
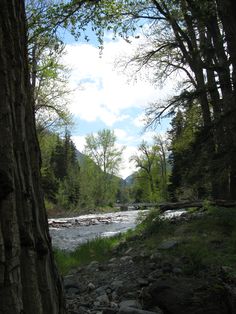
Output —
(60, 170)
(151, 178)
(49, 78)
(101, 149)
(29, 279)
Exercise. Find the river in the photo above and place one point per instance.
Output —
(69, 233)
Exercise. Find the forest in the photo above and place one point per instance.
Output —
(194, 40)
(189, 40)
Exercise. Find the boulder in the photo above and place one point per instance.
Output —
(185, 295)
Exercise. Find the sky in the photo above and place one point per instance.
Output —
(105, 96)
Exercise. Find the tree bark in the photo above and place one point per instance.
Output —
(29, 282)
(227, 13)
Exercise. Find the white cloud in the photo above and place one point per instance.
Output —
(139, 121)
(128, 167)
(100, 91)
(103, 93)
(79, 142)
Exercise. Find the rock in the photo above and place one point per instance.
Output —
(168, 244)
(103, 300)
(71, 286)
(83, 310)
(128, 251)
(114, 296)
(102, 268)
(113, 260)
(101, 290)
(91, 286)
(116, 284)
(156, 256)
(177, 271)
(132, 310)
(114, 305)
(184, 295)
(130, 303)
(227, 269)
(72, 290)
(111, 265)
(142, 282)
(126, 258)
(93, 264)
(108, 291)
(70, 280)
(109, 310)
(167, 267)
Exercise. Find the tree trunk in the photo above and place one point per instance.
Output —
(227, 13)
(29, 282)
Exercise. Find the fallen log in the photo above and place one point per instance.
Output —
(199, 204)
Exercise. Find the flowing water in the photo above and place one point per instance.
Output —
(69, 233)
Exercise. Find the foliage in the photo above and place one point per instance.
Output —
(193, 41)
(73, 181)
(49, 78)
(60, 170)
(107, 158)
(151, 178)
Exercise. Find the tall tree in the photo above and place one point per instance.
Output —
(48, 76)
(29, 281)
(102, 150)
(151, 163)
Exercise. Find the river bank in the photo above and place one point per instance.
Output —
(186, 265)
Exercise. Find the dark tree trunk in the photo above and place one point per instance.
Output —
(29, 282)
(227, 13)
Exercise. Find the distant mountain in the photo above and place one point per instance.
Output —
(130, 179)
(80, 156)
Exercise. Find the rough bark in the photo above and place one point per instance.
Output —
(29, 282)
(227, 13)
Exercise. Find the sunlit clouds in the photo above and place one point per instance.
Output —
(106, 94)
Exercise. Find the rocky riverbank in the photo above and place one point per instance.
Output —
(140, 280)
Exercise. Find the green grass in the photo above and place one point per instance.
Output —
(99, 249)
(209, 241)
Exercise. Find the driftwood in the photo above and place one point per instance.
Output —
(199, 204)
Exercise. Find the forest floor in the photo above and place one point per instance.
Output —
(180, 266)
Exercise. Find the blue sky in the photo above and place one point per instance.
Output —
(105, 96)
